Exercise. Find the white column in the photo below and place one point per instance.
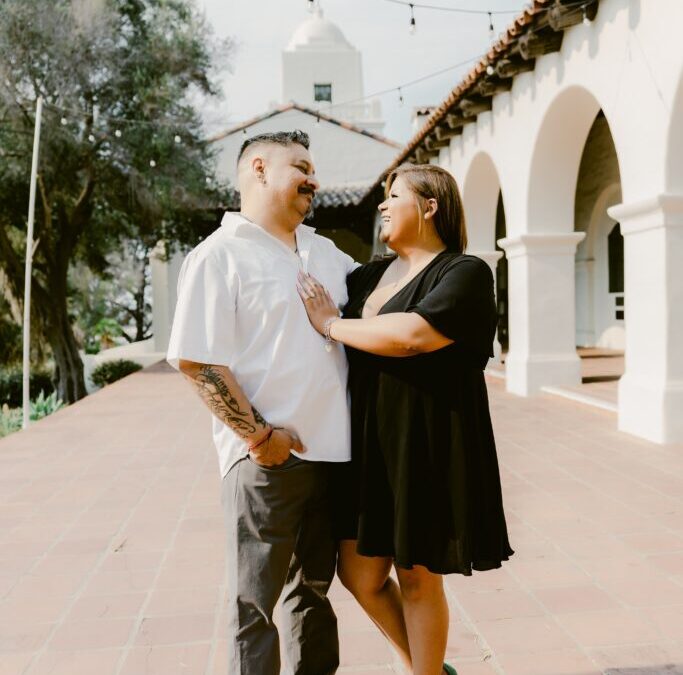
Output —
(651, 389)
(164, 293)
(585, 291)
(542, 348)
(491, 258)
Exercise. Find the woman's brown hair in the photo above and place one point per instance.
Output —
(428, 181)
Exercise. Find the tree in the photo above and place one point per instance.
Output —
(120, 295)
(122, 151)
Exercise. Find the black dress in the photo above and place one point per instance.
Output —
(423, 486)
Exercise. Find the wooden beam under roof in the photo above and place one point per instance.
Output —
(509, 68)
(537, 43)
(564, 14)
(492, 86)
(433, 143)
(473, 106)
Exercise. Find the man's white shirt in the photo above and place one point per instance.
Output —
(238, 307)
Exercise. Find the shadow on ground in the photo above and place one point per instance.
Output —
(668, 669)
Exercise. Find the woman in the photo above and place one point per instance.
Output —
(422, 492)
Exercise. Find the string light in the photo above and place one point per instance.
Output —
(83, 115)
(490, 70)
(491, 29)
(459, 10)
(586, 20)
(413, 27)
(400, 97)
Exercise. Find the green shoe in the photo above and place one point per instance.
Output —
(449, 669)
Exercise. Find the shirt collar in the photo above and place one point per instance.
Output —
(235, 223)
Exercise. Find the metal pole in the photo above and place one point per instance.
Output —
(29, 262)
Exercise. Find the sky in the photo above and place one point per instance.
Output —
(378, 28)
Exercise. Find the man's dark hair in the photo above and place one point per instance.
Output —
(278, 137)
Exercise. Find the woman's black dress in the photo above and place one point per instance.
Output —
(423, 485)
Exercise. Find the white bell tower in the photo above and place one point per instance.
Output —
(321, 69)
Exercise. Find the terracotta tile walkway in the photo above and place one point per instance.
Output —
(600, 372)
(111, 546)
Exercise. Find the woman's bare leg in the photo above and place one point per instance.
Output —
(426, 615)
(377, 593)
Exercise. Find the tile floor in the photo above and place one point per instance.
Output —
(111, 548)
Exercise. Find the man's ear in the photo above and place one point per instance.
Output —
(258, 166)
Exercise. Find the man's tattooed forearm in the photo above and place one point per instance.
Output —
(258, 417)
(215, 392)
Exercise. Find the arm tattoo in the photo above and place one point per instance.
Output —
(258, 417)
(216, 394)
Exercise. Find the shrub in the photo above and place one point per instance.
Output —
(42, 406)
(10, 420)
(110, 371)
(11, 383)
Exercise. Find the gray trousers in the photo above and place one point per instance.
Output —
(279, 542)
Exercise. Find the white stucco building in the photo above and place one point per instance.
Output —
(567, 142)
(322, 81)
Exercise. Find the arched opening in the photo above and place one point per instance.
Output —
(502, 277)
(481, 189)
(542, 257)
(600, 313)
(485, 215)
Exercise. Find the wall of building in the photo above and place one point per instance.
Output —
(629, 64)
(341, 156)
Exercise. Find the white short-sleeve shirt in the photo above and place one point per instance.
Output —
(238, 307)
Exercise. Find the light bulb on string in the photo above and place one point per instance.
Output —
(400, 97)
(177, 138)
(244, 131)
(492, 31)
(413, 26)
(64, 121)
(117, 133)
(152, 163)
(317, 121)
(490, 70)
(91, 138)
(208, 180)
(586, 20)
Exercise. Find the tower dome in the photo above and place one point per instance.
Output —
(317, 33)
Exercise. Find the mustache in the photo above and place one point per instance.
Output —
(304, 190)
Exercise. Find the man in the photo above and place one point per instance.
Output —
(277, 391)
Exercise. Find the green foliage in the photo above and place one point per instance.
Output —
(114, 304)
(11, 385)
(42, 406)
(10, 420)
(131, 75)
(110, 371)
